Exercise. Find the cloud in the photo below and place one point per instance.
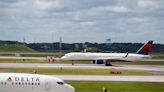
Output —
(82, 20)
(136, 20)
(46, 4)
(103, 9)
(146, 4)
(87, 24)
(120, 9)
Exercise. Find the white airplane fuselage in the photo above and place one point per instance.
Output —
(17, 82)
(105, 56)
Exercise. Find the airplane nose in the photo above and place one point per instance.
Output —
(69, 88)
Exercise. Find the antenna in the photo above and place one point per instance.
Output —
(60, 46)
(24, 41)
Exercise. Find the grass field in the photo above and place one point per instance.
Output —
(74, 71)
(140, 63)
(159, 57)
(117, 86)
(81, 62)
(15, 48)
(41, 61)
(21, 61)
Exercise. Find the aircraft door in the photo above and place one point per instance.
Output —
(48, 85)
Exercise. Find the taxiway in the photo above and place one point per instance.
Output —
(149, 68)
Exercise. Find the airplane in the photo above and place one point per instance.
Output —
(106, 58)
(21, 82)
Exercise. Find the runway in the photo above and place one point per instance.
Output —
(120, 78)
(111, 78)
(149, 68)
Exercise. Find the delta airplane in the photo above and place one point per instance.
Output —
(20, 82)
(106, 58)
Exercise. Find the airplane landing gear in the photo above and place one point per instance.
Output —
(108, 64)
(72, 62)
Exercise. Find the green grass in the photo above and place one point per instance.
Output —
(41, 61)
(34, 55)
(158, 57)
(21, 61)
(140, 63)
(74, 71)
(43, 55)
(15, 48)
(117, 87)
(3, 54)
(81, 62)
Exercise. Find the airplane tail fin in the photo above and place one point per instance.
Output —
(145, 48)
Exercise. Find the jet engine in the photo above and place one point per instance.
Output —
(99, 61)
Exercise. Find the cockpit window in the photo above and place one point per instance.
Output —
(60, 83)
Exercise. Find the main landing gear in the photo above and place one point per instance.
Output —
(108, 64)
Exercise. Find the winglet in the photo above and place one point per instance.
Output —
(145, 48)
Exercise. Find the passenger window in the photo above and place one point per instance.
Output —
(60, 83)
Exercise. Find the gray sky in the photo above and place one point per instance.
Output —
(82, 20)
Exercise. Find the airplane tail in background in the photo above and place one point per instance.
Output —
(145, 48)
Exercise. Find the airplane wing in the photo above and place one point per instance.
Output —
(111, 58)
(124, 58)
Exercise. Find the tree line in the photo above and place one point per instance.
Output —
(112, 47)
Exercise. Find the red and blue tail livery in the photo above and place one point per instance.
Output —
(145, 48)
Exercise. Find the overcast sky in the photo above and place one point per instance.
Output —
(82, 20)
